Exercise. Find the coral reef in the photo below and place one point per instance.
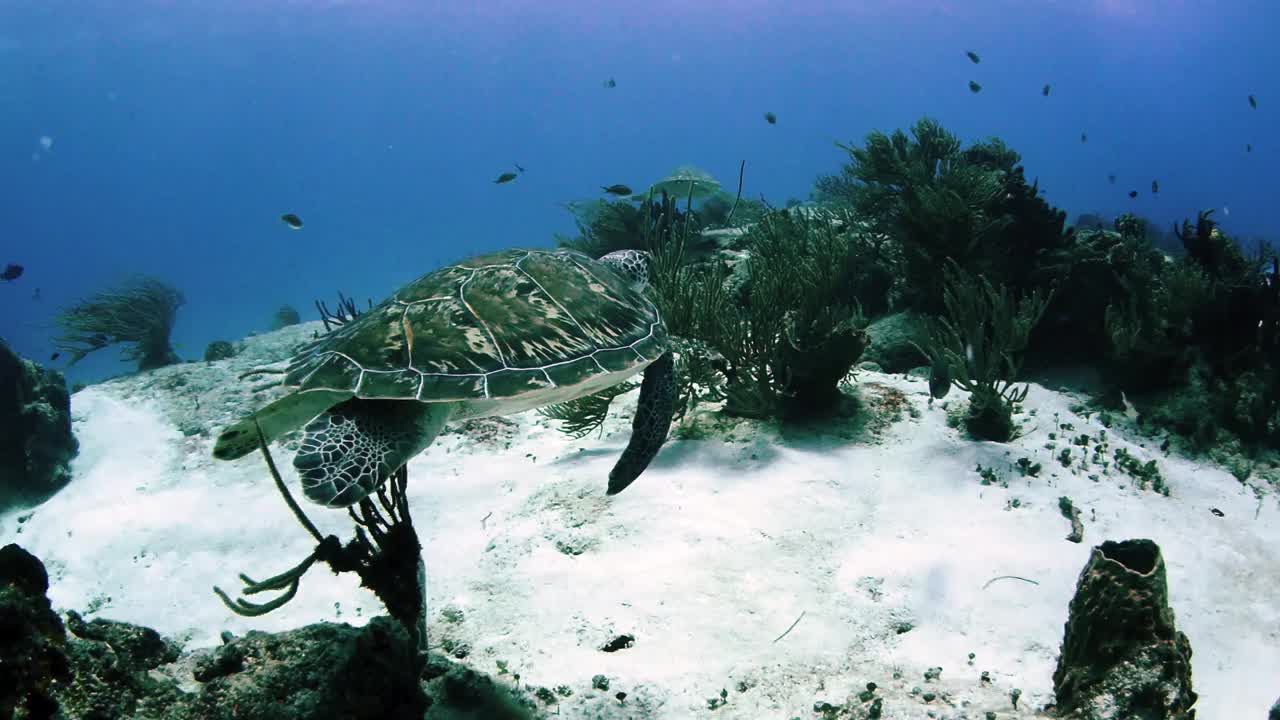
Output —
(937, 201)
(111, 675)
(346, 312)
(893, 339)
(139, 314)
(1199, 334)
(1100, 273)
(979, 347)
(219, 350)
(325, 671)
(37, 445)
(285, 316)
(1121, 654)
(32, 656)
(794, 330)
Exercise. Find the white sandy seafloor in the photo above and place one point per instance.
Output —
(711, 555)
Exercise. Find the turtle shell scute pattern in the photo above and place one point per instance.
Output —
(495, 326)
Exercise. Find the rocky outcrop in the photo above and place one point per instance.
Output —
(32, 638)
(36, 443)
(102, 669)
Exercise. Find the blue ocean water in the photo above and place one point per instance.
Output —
(167, 138)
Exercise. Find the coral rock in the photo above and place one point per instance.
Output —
(36, 443)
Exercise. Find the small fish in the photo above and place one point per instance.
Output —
(518, 167)
(974, 87)
(771, 118)
(55, 356)
(619, 190)
(12, 272)
(1130, 411)
(610, 83)
(939, 379)
(1248, 147)
(1133, 194)
(1216, 511)
(1155, 187)
(1045, 91)
(505, 177)
(1253, 102)
(1084, 137)
(1111, 178)
(974, 57)
(293, 221)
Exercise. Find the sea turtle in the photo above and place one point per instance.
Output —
(493, 335)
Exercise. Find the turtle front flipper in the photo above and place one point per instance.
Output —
(351, 449)
(282, 416)
(650, 425)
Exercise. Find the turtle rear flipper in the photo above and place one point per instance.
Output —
(650, 425)
(352, 448)
(287, 413)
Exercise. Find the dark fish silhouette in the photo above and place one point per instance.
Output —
(1133, 194)
(505, 178)
(1084, 137)
(1111, 178)
(619, 190)
(771, 118)
(293, 221)
(518, 167)
(974, 87)
(974, 57)
(1216, 511)
(610, 83)
(55, 356)
(1155, 187)
(1253, 102)
(1045, 91)
(12, 272)
(1248, 147)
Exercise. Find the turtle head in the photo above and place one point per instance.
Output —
(634, 265)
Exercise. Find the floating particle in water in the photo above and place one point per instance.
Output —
(1155, 187)
(1111, 178)
(46, 143)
